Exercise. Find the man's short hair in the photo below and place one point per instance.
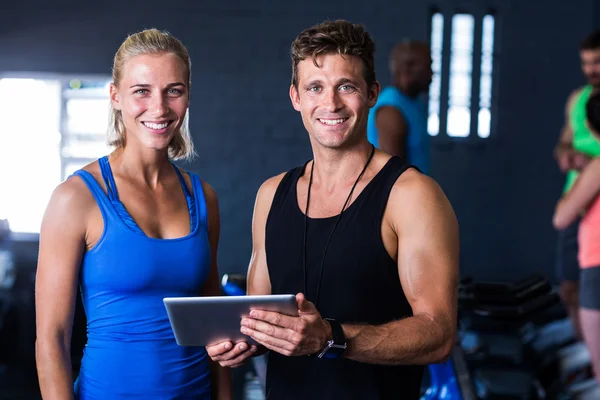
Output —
(334, 37)
(591, 41)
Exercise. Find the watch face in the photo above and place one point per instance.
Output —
(334, 351)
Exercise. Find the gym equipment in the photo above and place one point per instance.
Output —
(517, 336)
(493, 317)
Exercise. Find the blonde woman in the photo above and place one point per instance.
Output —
(131, 229)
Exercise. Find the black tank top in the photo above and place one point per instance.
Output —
(360, 284)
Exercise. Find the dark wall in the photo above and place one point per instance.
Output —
(504, 189)
(245, 129)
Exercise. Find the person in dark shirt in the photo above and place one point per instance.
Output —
(367, 242)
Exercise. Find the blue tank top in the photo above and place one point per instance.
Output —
(131, 352)
(414, 112)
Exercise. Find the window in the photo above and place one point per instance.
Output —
(86, 108)
(461, 62)
(485, 81)
(437, 39)
(462, 75)
(56, 126)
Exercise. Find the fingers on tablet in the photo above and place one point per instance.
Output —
(218, 349)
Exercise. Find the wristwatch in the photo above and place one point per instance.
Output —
(335, 347)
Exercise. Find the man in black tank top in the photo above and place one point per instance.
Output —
(368, 244)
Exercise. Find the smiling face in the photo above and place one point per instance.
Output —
(153, 98)
(333, 99)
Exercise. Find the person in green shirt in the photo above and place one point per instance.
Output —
(577, 145)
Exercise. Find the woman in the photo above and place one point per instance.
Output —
(583, 199)
(131, 229)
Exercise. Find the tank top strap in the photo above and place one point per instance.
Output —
(113, 195)
(199, 210)
(379, 192)
(285, 194)
(102, 200)
(189, 199)
(109, 180)
(186, 191)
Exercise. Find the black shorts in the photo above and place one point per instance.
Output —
(567, 249)
(589, 295)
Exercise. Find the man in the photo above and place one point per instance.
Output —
(398, 122)
(576, 145)
(364, 241)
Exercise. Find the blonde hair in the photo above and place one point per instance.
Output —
(150, 41)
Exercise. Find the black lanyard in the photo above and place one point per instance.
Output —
(334, 226)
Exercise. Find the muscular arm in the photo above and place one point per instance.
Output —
(428, 252)
(582, 193)
(392, 129)
(220, 376)
(258, 273)
(62, 243)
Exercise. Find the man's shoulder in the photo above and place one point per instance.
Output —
(389, 94)
(268, 188)
(271, 184)
(414, 186)
(574, 95)
(417, 200)
(392, 97)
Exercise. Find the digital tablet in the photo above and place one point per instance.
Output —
(200, 321)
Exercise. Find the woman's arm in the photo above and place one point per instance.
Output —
(582, 193)
(62, 243)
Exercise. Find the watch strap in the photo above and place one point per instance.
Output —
(338, 332)
(335, 347)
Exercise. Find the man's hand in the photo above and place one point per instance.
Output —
(228, 355)
(564, 158)
(290, 336)
(579, 161)
(569, 159)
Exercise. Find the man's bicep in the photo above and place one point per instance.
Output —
(258, 273)
(428, 250)
(392, 130)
